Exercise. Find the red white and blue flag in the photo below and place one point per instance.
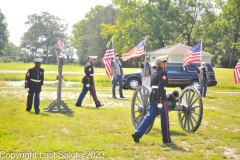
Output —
(135, 52)
(237, 72)
(60, 44)
(107, 59)
(193, 55)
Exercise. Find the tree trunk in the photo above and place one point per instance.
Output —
(233, 50)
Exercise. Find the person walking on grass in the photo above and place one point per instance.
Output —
(88, 83)
(157, 103)
(33, 84)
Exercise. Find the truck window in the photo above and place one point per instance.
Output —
(173, 69)
(192, 68)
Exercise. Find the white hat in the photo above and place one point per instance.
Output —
(161, 59)
(38, 60)
(93, 57)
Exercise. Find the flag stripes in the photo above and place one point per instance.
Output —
(237, 72)
(193, 55)
(135, 52)
(107, 59)
(60, 44)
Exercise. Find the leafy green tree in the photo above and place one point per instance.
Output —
(4, 34)
(191, 12)
(11, 51)
(86, 33)
(44, 32)
(231, 13)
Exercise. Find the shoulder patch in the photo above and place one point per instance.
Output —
(164, 77)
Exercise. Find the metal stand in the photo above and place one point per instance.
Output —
(55, 105)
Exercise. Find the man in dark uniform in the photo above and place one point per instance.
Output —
(157, 103)
(33, 84)
(88, 83)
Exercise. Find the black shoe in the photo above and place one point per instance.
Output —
(37, 112)
(135, 138)
(27, 110)
(114, 97)
(123, 97)
(99, 105)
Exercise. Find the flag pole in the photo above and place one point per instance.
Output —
(201, 51)
(145, 47)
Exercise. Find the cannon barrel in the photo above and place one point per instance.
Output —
(171, 99)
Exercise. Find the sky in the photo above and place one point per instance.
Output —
(16, 12)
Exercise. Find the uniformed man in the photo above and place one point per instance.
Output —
(157, 103)
(33, 84)
(88, 83)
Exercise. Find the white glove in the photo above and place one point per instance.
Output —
(27, 89)
(87, 85)
(159, 105)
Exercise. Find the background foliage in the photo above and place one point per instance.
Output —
(127, 22)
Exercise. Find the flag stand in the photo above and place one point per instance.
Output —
(55, 106)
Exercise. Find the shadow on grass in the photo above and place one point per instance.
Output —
(174, 147)
(209, 97)
(172, 132)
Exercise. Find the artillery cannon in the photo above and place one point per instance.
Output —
(188, 105)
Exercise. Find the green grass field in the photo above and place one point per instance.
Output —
(105, 133)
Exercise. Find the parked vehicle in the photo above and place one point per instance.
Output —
(178, 76)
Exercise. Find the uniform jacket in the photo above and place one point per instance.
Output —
(34, 74)
(158, 78)
(89, 74)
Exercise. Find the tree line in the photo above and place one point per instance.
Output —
(162, 22)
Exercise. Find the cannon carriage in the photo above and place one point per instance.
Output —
(188, 105)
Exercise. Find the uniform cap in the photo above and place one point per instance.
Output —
(38, 60)
(93, 57)
(161, 59)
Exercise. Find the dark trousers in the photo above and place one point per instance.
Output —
(119, 79)
(36, 95)
(84, 92)
(203, 87)
(149, 119)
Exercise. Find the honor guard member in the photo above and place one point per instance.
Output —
(33, 84)
(157, 103)
(88, 83)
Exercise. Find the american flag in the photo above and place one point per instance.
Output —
(237, 72)
(135, 52)
(60, 44)
(193, 55)
(107, 59)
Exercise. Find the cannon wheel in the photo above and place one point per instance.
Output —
(191, 116)
(139, 105)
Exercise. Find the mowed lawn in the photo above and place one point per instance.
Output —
(105, 133)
